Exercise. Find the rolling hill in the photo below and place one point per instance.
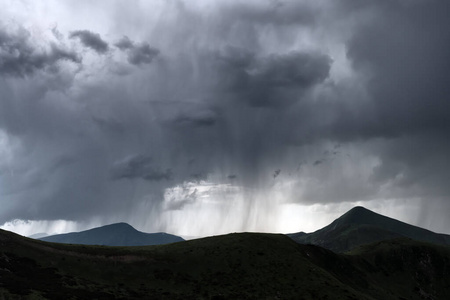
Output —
(361, 226)
(119, 234)
(234, 266)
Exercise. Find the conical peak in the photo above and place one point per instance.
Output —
(359, 214)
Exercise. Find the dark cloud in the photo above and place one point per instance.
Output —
(197, 176)
(401, 120)
(19, 57)
(272, 80)
(196, 119)
(137, 54)
(260, 86)
(318, 162)
(57, 34)
(403, 53)
(139, 166)
(294, 69)
(91, 40)
(142, 54)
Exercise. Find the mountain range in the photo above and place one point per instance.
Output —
(233, 266)
(360, 226)
(118, 234)
(384, 259)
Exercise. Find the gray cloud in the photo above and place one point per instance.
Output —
(91, 40)
(276, 173)
(318, 162)
(277, 13)
(139, 166)
(19, 57)
(205, 118)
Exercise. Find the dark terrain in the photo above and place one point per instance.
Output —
(360, 226)
(234, 266)
(119, 234)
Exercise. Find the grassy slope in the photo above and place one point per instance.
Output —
(235, 266)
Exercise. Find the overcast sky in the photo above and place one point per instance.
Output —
(208, 117)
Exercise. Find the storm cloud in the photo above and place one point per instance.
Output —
(225, 114)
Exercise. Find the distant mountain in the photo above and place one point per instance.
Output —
(233, 266)
(38, 235)
(119, 234)
(361, 226)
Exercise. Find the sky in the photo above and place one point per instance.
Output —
(207, 117)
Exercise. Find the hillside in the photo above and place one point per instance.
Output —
(360, 226)
(119, 234)
(234, 266)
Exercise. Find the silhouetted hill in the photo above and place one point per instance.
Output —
(361, 226)
(119, 234)
(234, 266)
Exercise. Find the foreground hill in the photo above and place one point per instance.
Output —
(119, 234)
(361, 226)
(235, 266)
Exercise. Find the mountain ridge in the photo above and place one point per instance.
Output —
(232, 266)
(360, 226)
